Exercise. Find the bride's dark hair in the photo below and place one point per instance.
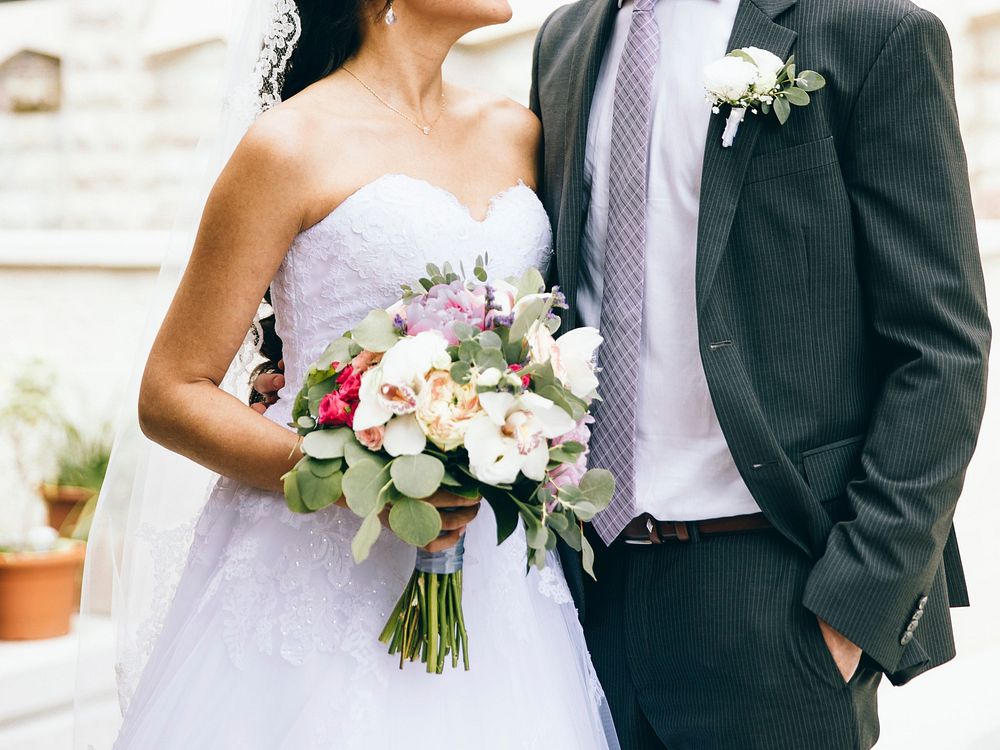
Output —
(331, 33)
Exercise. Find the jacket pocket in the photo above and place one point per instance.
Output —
(830, 467)
(801, 158)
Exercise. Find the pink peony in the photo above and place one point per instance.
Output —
(371, 438)
(442, 307)
(333, 410)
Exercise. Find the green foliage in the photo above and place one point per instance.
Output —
(83, 461)
(376, 332)
(363, 484)
(417, 476)
(416, 522)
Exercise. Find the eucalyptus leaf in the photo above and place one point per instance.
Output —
(598, 487)
(782, 109)
(292, 497)
(416, 522)
(463, 331)
(362, 486)
(490, 340)
(585, 510)
(417, 476)
(796, 96)
(461, 372)
(530, 313)
(319, 492)
(325, 444)
(537, 534)
(305, 422)
(322, 468)
(588, 556)
(558, 521)
(317, 392)
(364, 540)
(551, 540)
(342, 350)
(572, 535)
(376, 332)
(355, 452)
(810, 80)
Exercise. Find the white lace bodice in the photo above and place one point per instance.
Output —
(382, 236)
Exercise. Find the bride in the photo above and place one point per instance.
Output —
(369, 168)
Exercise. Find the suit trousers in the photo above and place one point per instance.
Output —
(705, 645)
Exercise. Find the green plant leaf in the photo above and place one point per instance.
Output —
(326, 444)
(566, 453)
(317, 392)
(416, 522)
(319, 492)
(504, 510)
(417, 476)
(531, 312)
(364, 540)
(363, 485)
(796, 96)
(292, 497)
(341, 351)
(355, 452)
(598, 487)
(588, 556)
(585, 510)
(376, 332)
(322, 468)
(810, 80)
(558, 521)
(461, 372)
(782, 109)
(537, 535)
(490, 340)
(572, 535)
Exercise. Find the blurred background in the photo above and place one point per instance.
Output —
(102, 104)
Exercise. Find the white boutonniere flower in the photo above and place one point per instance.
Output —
(758, 80)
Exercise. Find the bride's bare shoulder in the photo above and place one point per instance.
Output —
(499, 115)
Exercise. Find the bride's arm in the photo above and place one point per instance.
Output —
(251, 217)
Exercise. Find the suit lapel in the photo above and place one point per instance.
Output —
(724, 168)
(587, 58)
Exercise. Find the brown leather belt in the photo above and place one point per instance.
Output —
(645, 529)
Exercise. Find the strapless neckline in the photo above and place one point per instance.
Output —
(456, 203)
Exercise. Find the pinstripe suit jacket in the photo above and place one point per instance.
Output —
(841, 303)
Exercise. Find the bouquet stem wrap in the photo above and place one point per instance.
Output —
(427, 622)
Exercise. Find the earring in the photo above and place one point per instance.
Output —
(390, 15)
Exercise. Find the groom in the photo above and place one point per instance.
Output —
(794, 366)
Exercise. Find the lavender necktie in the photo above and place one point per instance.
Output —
(613, 441)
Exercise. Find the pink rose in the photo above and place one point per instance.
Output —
(364, 361)
(333, 410)
(371, 438)
(349, 384)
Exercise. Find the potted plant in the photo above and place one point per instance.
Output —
(39, 572)
(39, 584)
(82, 465)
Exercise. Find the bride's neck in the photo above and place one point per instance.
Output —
(403, 63)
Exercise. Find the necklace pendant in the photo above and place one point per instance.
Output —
(426, 129)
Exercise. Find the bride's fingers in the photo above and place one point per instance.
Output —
(457, 519)
(447, 540)
(442, 499)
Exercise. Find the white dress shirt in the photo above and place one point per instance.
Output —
(684, 469)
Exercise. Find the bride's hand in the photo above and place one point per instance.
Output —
(456, 514)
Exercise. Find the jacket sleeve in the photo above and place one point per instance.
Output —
(905, 169)
(534, 103)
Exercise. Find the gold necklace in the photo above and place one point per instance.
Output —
(425, 129)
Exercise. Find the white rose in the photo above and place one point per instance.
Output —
(768, 65)
(730, 78)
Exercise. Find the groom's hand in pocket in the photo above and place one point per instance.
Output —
(456, 514)
(846, 655)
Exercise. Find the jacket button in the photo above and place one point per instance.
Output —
(912, 626)
(923, 602)
(917, 615)
(907, 637)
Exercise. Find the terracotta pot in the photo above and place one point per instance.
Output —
(39, 591)
(61, 501)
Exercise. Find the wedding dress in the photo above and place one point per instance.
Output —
(271, 638)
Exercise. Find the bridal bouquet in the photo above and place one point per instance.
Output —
(459, 386)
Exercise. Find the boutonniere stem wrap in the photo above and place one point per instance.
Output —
(758, 80)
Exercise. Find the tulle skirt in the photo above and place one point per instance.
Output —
(271, 641)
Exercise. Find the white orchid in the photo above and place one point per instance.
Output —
(512, 435)
(572, 356)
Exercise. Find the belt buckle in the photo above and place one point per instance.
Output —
(652, 530)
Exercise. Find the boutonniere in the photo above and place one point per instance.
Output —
(755, 79)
